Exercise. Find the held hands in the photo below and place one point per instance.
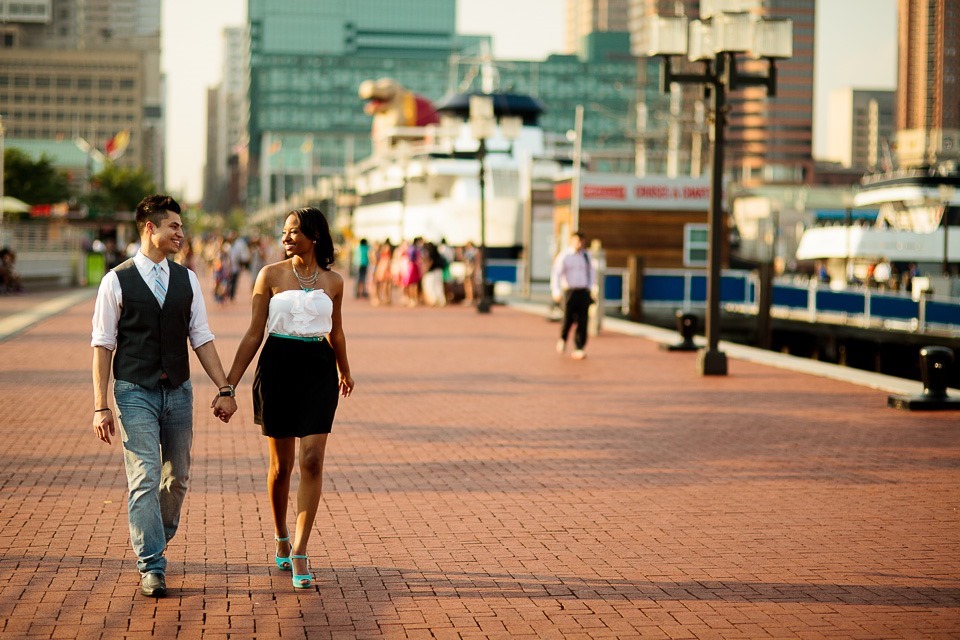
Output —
(103, 425)
(346, 384)
(224, 407)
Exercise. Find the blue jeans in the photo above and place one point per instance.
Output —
(156, 426)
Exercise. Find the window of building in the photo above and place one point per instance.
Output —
(84, 83)
(695, 244)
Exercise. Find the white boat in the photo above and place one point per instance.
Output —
(917, 222)
(425, 181)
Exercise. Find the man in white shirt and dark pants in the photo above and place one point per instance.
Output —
(571, 281)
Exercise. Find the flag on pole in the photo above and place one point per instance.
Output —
(117, 144)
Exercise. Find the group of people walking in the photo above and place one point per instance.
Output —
(419, 271)
(149, 308)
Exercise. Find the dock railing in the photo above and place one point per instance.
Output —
(793, 297)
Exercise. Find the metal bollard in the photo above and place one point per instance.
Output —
(935, 365)
(687, 327)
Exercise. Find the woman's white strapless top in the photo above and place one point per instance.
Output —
(300, 313)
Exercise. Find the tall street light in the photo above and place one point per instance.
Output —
(724, 30)
(403, 155)
(483, 125)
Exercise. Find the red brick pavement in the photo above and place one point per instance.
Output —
(480, 486)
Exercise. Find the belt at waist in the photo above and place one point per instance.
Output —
(300, 338)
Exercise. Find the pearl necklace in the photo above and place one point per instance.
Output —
(307, 283)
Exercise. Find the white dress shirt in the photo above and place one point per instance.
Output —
(571, 270)
(106, 314)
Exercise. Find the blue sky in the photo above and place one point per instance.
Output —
(856, 46)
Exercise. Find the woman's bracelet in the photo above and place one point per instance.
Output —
(99, 410)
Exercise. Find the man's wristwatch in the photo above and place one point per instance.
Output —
(229, 391)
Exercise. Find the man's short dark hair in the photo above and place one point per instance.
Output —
(154, 209)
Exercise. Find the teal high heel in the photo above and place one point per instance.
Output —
(302, 581)
(283, 564)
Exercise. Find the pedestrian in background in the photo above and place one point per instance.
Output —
(146, 311)
(239, 261)
(363, 265)
(302, 370)
(10, 281)
(223, 273)
(571, 281)
(383, 274)
(433, 265)
(470, 256)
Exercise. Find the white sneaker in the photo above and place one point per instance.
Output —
(578, 354)
(561, 346)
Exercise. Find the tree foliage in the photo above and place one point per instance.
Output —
(118, 189)
(33, 181)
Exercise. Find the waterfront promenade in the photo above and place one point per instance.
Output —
(480, 486)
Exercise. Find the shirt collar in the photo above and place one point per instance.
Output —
(145, 264)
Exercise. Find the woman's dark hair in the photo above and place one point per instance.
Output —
(313, 224)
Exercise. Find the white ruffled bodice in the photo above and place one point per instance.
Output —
(300, 313)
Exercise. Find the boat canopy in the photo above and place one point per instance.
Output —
(504, 104)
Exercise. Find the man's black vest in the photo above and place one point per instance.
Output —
(152, 340)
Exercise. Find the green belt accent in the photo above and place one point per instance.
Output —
(300, 338)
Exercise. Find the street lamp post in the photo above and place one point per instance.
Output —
(483, 123)
(403, 154)
(725, 29)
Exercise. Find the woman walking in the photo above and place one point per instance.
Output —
(301, 373)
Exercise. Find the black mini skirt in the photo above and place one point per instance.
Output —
(296, 388)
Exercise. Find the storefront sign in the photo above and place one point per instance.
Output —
(656, 193)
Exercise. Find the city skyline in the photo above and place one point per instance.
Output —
(864, 57)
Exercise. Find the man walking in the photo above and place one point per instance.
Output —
(571, 281)
(147, 308)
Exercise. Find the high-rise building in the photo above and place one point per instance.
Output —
(212, 182)
(860, 128)
(227, 124)
(87, 69)
(589, 16)
(307, 60)
(769, 138)
(928, 82)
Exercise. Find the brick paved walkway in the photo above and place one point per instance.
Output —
(479, 486)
